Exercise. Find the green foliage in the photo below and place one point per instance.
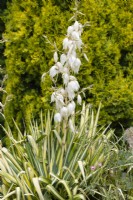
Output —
(51, 162)
(30, 55)
(2, 58)
(108, 45)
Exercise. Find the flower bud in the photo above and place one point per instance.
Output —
(57, 117)
(55, 57)
(79, 100)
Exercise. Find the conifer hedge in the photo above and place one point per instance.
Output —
(108, 45)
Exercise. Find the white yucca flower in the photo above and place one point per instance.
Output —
(64, 111)
(65, 77)
(75, 35)
(79, 99)
(60, 67)
(53, 71)
(70, 30)
(55, 57)
(73, 85)
(66, 69)
(57, 117)
(71, 48)
(63, 59)
(53, 97)
(73, 53)
(59, 97)
(71, 60)
(70, 93)
(62, 91)
(76, 65)
(71, 108)
(79, 44)
(76, 26)
(65, 43)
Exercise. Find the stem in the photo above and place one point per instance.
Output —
(64, 131)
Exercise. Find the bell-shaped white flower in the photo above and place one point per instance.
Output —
(60, 98)
(62, 91)
(53, 71)
(76, 26)
(71, 48)
(73, 53)
(76, 65)
(70, 43)
(57, 117)
(63, 59)
(66, 69)
(60, 67)
(73, 85)
(53, 97)
(71, 60)
(55, 57)
(70, 93)
(79, 44)
(64, 111)
(70, 30)
(71, 108)
(79, 99)
(65, 77)
(75, 35)
(65, 43)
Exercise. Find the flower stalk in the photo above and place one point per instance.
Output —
(67, 65)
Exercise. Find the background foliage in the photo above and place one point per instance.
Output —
(2, 57)
(108, 44)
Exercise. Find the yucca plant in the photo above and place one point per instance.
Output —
(43, 164)
(67, 155)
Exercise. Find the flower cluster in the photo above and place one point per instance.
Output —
(67, 64)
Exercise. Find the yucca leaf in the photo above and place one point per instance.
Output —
(8, 176)
(80, 163)
(79, 197)
(40, 138)
(38, 189)
(58, 137)
(18, 193)
(70, 172)
(33, 144)
(96, 120)
(53, 191)
(8, 154)
(44, 180)
(8, 195)
(68, 189)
